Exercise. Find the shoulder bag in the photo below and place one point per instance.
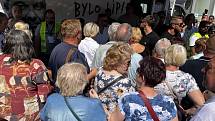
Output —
(148, 106)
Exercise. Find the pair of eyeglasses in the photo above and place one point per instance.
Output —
(180, 24)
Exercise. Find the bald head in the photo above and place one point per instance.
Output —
(123, 33)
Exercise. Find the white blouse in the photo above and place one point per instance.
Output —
(88, 47)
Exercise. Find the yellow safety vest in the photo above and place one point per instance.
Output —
(43, 35)
(197, 34)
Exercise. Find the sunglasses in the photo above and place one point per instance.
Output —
(180, 24)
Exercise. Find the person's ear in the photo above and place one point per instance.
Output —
(78, 35)
(140, 80)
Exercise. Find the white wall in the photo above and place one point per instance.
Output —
(201, 5)
(1, 9)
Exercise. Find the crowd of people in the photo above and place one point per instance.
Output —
(133, 69)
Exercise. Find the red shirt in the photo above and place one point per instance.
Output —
(22, 88)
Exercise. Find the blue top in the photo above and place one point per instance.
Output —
(110, 96)
(133, 108)
(132, 69)
(59, 54)
(206, 112)
(87, 109)
(102, 37)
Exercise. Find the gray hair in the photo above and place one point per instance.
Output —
(112, 30)
(123, 33)
(71, 79)
(161, 46)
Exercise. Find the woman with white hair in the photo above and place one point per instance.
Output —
(70, 104)
(178, 84)
(160, 48)
(88, 45)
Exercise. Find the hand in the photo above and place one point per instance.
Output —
(191, 111)
(93, 94)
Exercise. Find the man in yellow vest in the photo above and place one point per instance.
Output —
(203, 32)
(46, 36)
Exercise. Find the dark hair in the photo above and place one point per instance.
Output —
(18, 4)
(152, 70)
(211, 16)
(211, 29)
(188, 17)
(203, 24)
(150, 20)
(19, 44)
(48, 11)
(177, 40)
(2, 16)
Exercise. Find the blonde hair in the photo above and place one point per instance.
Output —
(70, 28)
(117, 54)
(71, 79)
(175, 55)
(23, 27)
(136, 34)
(91, 29)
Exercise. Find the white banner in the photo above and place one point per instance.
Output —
(87, 9)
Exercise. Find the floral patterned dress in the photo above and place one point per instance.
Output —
(110, 96)
(133, 108)
(22, 89)
(179, 83)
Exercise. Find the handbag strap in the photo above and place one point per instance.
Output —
(171, 90)
(69, 54)
(70, 108)
(110, 84)
(176, 100)
(149, 107)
